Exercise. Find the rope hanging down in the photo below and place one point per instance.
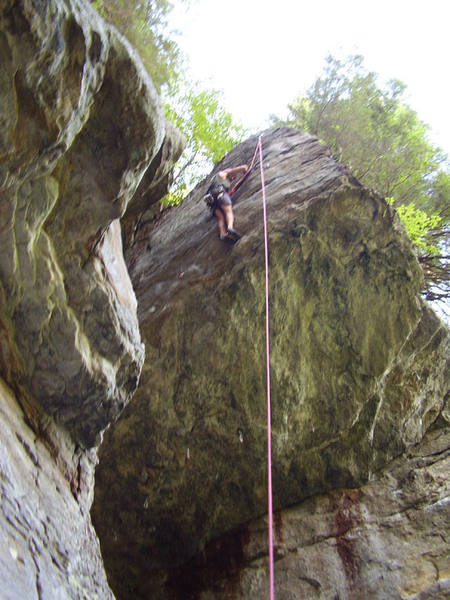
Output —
(269, 418)
(269, 410)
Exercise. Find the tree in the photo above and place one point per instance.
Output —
(144, 24)
(210, 133)
(373, 131)
(430, 234)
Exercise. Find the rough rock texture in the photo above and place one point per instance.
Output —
(82, 124)
(81, 127)
(359, 364)
(48, 547)
(385, 540)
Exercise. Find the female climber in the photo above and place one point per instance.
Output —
(219, 201)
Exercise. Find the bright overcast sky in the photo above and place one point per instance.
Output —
(264, 53)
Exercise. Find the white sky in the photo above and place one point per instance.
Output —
(264, 53)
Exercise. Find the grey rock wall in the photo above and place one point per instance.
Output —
(81, 127)
(359, 364)
(73, 155)
(48, 547)
(385, 540)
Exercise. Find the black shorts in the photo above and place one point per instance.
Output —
(223, 200)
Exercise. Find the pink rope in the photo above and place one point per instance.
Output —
(238, 183)
(269, 420)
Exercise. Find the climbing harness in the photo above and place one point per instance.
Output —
(269, 418)
(217, 190)
(214, 193)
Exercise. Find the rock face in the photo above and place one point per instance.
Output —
(359, 364)
(49, 549)
(387, 539)
(359, 369)
(65, 177)
(81, 127)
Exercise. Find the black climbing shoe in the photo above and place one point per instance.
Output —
(227, 238)
(233, 234)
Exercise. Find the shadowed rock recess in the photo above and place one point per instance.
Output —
(359, 363)
(359, 368)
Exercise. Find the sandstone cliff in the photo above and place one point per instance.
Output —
(359, 362)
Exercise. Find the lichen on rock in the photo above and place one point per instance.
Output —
(359, 363)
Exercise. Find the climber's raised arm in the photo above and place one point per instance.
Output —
(230, 174)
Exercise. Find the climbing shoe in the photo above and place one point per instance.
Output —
(227, 238)
(233, 234)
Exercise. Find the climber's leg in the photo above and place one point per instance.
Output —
(221, 223)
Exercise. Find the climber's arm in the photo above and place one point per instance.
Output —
(231, 173)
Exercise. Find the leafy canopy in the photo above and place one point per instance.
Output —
(373, 131)
(209, 129)
(419, 226)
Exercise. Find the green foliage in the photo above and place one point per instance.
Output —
(381, 139)
(430, 234)
(419, 226)
(437, 199)
(144, 24)
(373, 131)
(210, 133)
(209, 129)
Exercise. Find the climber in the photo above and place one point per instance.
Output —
(219, 201)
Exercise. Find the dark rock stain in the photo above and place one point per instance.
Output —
(348, 516)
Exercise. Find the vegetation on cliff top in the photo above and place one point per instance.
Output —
(372, 129)
(145, 26)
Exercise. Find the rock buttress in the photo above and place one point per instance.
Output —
(358, 362)
(80, 126)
